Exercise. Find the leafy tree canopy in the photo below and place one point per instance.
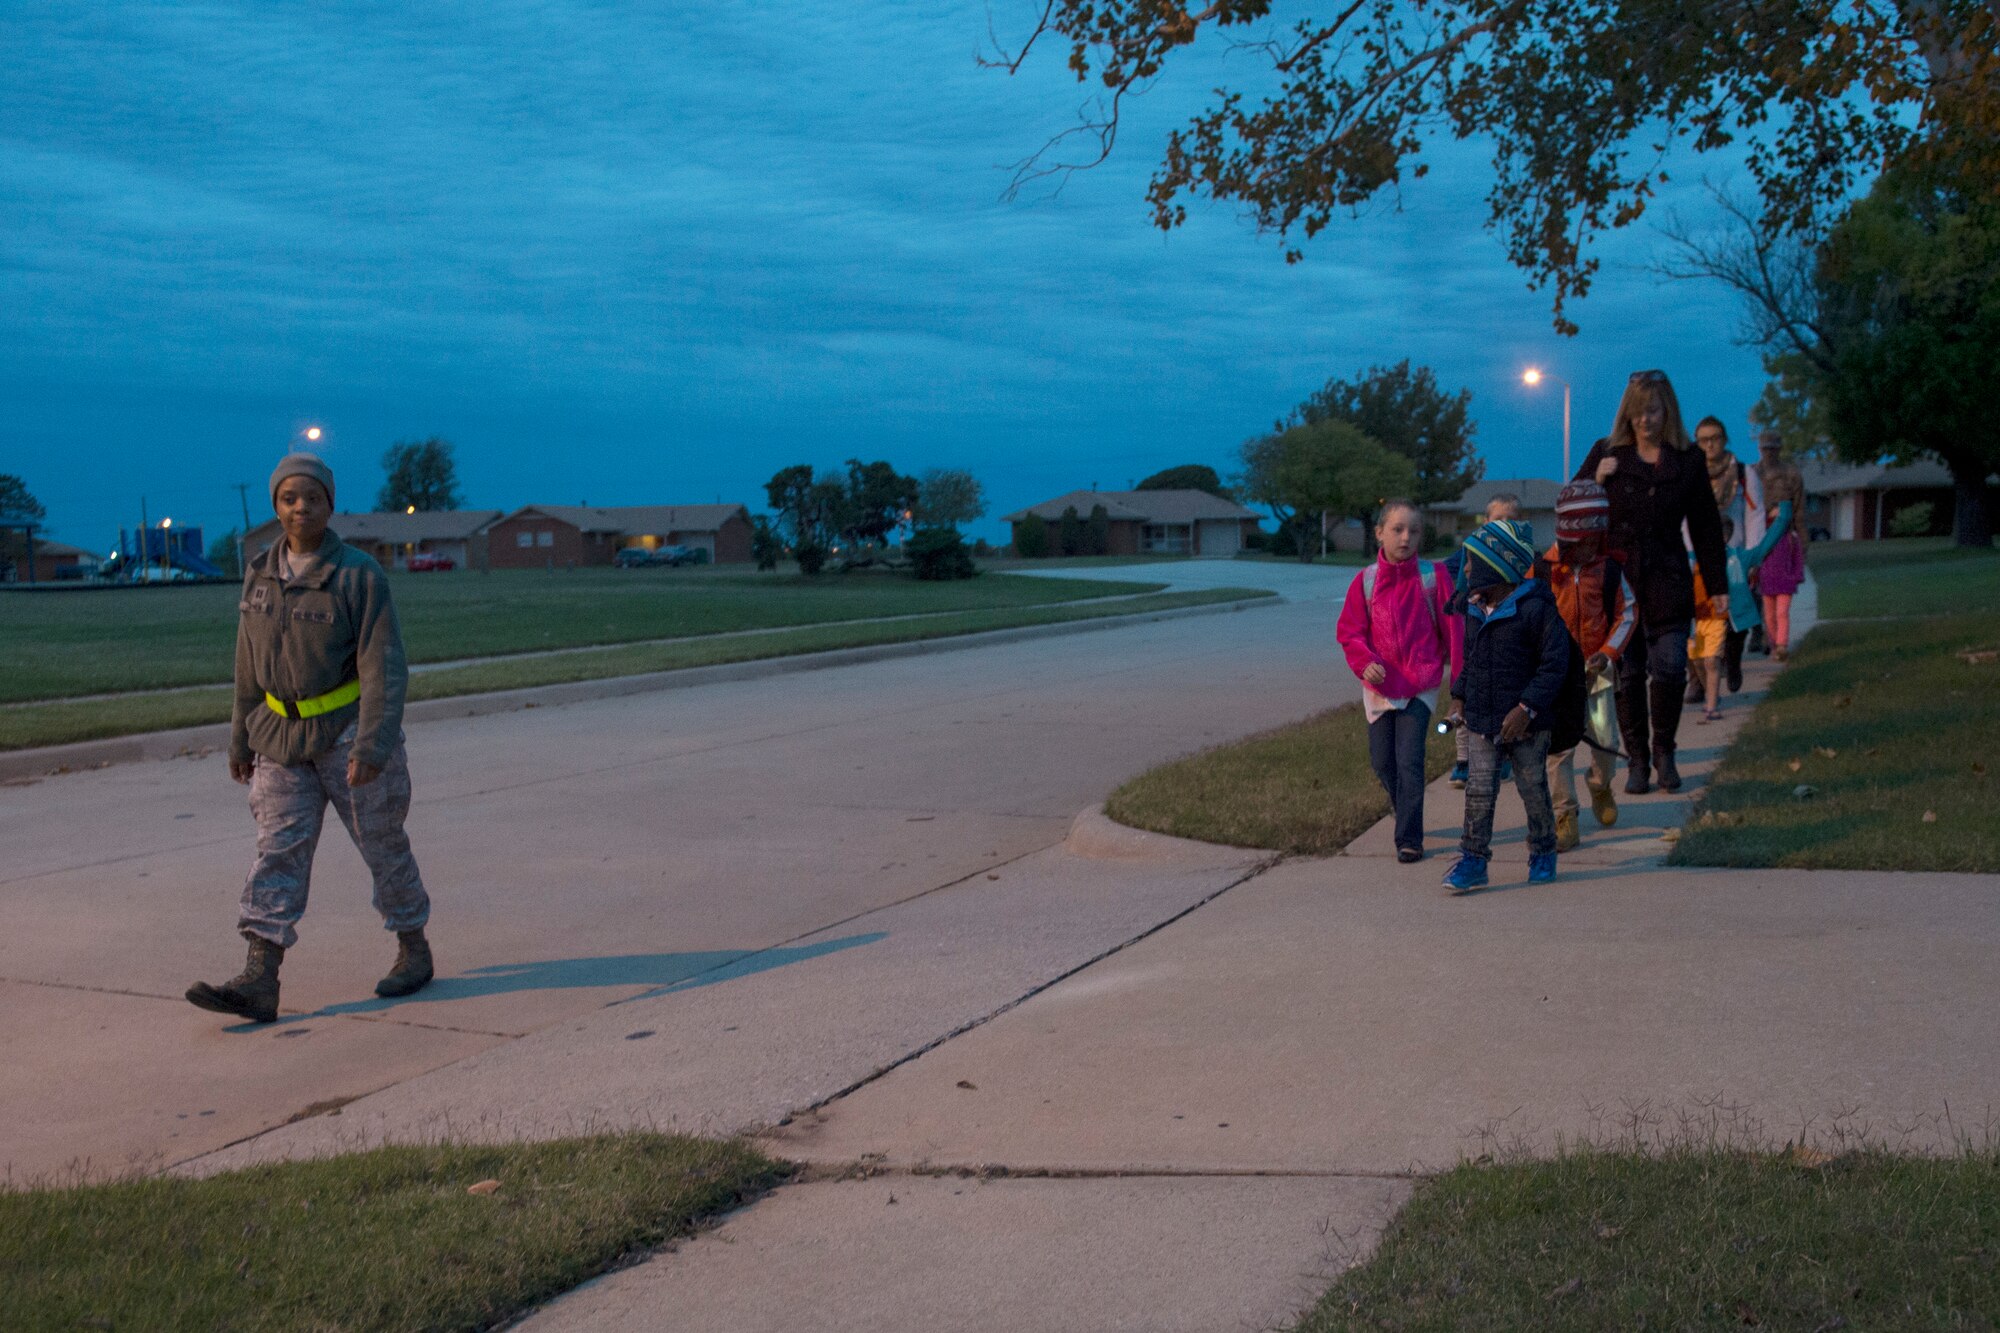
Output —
(949, 498)
(1580, 100)
(1405, 410)
(1327, 469)
(1909, 302)
(1187, 477)
(422, 473)
(877, 498)
(17, 502)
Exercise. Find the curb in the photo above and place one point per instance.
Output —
(52, 760)
(1095, 836)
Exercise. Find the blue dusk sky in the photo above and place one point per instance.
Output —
(627, 254)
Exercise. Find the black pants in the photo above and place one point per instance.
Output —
(1396, 743)
(1651, 676)
(1732, 658)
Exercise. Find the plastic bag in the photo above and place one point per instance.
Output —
(1600, 715)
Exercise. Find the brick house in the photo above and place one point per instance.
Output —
(460, 535)
(545, 536)
(1860, 503)
(1152, 522)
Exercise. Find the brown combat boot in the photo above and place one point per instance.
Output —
(251, 993)
(412, 971)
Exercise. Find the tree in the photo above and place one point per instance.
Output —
(1580, 102)
(876, 499)
(766, 546)
(17, 505)
(1069, 533)
(1879, 339)
(1031, 537)
(949, 498)
(1909, 296)
(226, 553)
(1330, 469)
(1405, 410)
(17, 502)
(422, 474)
(1187, 477)
(1097, 531)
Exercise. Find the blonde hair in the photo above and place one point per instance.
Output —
(1638, 389)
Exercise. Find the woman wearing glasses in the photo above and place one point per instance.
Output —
(1657, 482)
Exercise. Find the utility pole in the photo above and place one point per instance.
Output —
(243, 537)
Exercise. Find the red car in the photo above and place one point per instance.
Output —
(429, 560)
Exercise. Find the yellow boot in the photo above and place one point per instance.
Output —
(1567, 833)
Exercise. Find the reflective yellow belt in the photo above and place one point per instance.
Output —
(338, 697)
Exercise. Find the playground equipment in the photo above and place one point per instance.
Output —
(152, 551)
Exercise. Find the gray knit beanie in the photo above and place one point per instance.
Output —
(302, 465)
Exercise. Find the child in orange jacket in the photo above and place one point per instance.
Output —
(1596, 603)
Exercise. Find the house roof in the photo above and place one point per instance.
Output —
(1138, 506)
(1535, 493)
(55, 550)
(1824, 478)
(396, 528)
(650, 520)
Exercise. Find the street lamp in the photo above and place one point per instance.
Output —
(312, 433)
(1532, 377)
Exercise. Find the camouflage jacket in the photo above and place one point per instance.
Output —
(301, 639)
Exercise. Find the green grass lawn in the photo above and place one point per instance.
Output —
(1911, 577)
(59, 722)
(382, 1240)
(1687, 1240)
(1304, 788)
(1886, 722)
(57, 644)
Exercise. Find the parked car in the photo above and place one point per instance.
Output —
(638, 557)
(429, 560)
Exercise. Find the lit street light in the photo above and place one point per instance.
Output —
(1532, 377)
(312, 433)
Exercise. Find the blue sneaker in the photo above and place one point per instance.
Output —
(1467, 873)
(1541, 867)
(1459, 773)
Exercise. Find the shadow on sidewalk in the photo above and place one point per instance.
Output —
(664, 973)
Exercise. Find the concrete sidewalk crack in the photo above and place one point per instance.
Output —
(1260, 868)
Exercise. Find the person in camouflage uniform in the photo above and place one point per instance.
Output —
(318, 719)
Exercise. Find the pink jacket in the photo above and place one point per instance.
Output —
(1395, 630)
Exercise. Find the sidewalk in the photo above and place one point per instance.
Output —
(1200, 1130)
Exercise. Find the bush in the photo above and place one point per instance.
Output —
(982, 547)
(1913, 520)
(1255, 539)
(811, 557)
(1097, 532)
(1285, 542)
(1069, 538)
(939, 554)
(1031, 537)
(765, 548)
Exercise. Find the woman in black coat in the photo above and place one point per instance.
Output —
(1657, 482)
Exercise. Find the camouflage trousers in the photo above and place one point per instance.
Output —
(290, 803)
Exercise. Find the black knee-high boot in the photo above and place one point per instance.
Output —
(1666, 700)
(1632, 729)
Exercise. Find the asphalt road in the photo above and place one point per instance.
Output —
(581, 856)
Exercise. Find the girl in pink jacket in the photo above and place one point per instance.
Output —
(1399, 638)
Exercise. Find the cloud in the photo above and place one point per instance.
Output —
(654, 255)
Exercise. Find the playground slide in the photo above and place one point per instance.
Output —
(195, 564)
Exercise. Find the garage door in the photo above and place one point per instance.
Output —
(1221, 537)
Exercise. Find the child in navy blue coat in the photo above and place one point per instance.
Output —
(1520, 695)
